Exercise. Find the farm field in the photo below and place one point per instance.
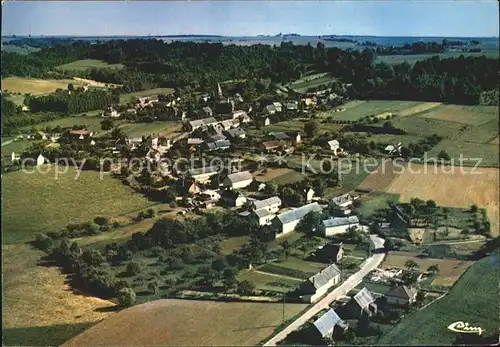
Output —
(40, 203)
(426, 106)
(427, 126)
(33, 86)
(139, 129)
(270, 174)
(270, 282)
(450, 270)
(476, 289)
(124, 98)
(413, 58)
(289, 177)
(473, 115)
(87, 64)
(39, 308)
(92, 123)
(163, 322)
(369, 108)
(471, 152)
(302, 86)
(483, 133)
(389, 138)
(460, 188)
(19, 50)
(16, 99)
(15, 146)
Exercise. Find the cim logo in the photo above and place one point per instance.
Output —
(463, 327)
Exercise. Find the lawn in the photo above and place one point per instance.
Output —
(189, 322)
(472, 115)
(33, 86)
(267, 282)
(15, 146)
(450, 270)
(124, 98)
(289, 177)
(471, 152)
(87, 64)
(369, 108)
(40, 203)
(294, 267)
(375, 201)
(16, 99)
(140, 129)
(473, 299)
(229, 245)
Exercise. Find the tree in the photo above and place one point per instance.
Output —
(410, 277)
(246, 287)
(312, 224)
(311, 128)
(411, 265)
(71, 87)
(107, 124)
(154, 286)
(133, 268)
(286, 248)
(444, 156)
(126, 297)
(389, 244)
(228, 279)
(101, 220)
(433, 269)
(474, 208)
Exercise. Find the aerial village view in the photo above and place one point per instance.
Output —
(250, 173)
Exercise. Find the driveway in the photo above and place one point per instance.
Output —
(346, 286)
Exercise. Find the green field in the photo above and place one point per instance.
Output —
(472, 115)
(375, 201)
(19, 50)
(16, 99)
(139, 129)
(40, 203)
(468, 301)
(15, 146)
(369, 108)
(288, 178)
(92, 123)
(487, 152)
(413, 58)
(427, 126)
(483, 133)
(124, 98)
(87, 64)
(269, 282)
(312, 81)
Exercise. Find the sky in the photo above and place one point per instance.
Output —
(247, 18)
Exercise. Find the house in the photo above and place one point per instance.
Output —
(326, 323)
(218, 145)
(133, 142)
(40, 160)
(209, 195)
(287, 221)
(201, 123)
(317, 285)
(110, 112)
(238, 114)
(292, 106)
(207, 111)
(343, 203)
(217, 137)
(185, 187)
(309, 194)
(14, 157)
(40, 135)
(296, 136)
(334, 146)
(237, 180)
(227, 124)
(264, 216)
(310, 100)
(236, 133)
(245, 119)
(272, 146)
(280, 136)
(161, 143)
(401, 295)
(270, 109)
(233, 198)
(55, 137)
(363, 303)
(329, 253)
(271, 204)
(339, 225)
(267, 121)
(92, 142)
(202, 175)
(80, 134)
(278, 106)
(194, 141)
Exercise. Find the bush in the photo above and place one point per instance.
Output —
(101, 221)
(134, 268)
(43, 242)
(245, 288)
(126, 297)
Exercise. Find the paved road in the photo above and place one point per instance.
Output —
(369, 265)
(7, 142)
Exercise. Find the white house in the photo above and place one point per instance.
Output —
(202, 175)
(237, 133)
(401, 295)
(40, 160)
(111, 112)
(334, 146)
(14, 157)
(238, 114)
(339, 225)
(237, 180)
(343, 203)
(210, 195)
(317, 285)
(271, 204)
(327, 323)
(264, 217)
(309, 194)
(287, 221)
(270, 109)
(234, 198)
(278, 106)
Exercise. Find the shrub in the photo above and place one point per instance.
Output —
(245, 288)
(43, 242)
(101, 221)
(133, 268)
(126, 297)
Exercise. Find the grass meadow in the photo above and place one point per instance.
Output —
(33, 86)
(369, 108)
(125, 98)
(85, 64)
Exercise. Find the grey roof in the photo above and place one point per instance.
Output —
(240, 176)
(402, 292)
(339, 221)
(218, 137)
(267, 202)
(271, 107)
(298, 213)
(262, 212)
(236, 132)
(204, 121)
(342, 199)
(327, 322)
(280, 136)
(207, 109)
(222, 144)
(194, 141)
(364, 298)
(324, 276)
(204, 170)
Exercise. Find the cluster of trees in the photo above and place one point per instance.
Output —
(74, 102)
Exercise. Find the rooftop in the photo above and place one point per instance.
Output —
(240, 176)
(324, 276)
(298, 213)
(339, 221)
(267, 202)
(328, 321)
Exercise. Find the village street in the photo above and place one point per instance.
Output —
(369, 265)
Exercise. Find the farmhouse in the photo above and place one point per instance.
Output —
(239, 114)
(202, 175)
(401, 295)
(271, 204)
(186, 186)
(309, 194)
(364, 302)
(329, 253)
(342, 203)
(218, 145)
(237, 180)
(272, 146)
(233, 198)
(263, 216)
(110, 112)
(317, 285)
(14, 157)
(278, 106)
(218, 137)
(201, 123)
(339, 225)
(287, 221)
(292, 106)
(326, 323)
(236, 133)
(80, 134)
(161, 143)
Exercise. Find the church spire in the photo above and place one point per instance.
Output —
(219, 90)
